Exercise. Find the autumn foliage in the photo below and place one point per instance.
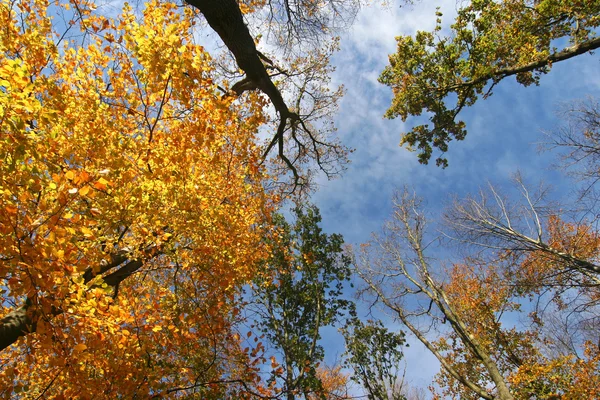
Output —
(132, 204)
(482, 296)
(438, 74)
(514, 320)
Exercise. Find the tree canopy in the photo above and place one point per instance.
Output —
(297, 295)
(439, 74)
(515, 315)
(133, 203)
(463, 312)
(144, 247)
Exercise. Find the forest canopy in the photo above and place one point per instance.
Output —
(156, 234)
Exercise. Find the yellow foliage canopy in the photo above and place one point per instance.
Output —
(131, 204)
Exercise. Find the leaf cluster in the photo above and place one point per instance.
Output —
(490, 40)
(374, 354)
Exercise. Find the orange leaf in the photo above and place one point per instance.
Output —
(80, 347)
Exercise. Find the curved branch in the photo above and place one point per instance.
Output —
(23, 320)
(565, 54)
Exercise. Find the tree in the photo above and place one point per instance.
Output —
(579, 139)
(136, 196)
(133, 207)
(304, 23)
(555, 257)
(459, 312)
(159, 88)
(374, 354)
(530, 227)
(299, 294)
(401, 269)
(490, 40)
(334, 384)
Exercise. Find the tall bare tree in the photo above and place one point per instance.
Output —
(401, 276)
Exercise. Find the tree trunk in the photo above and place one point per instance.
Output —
(15, 324)
(23, 320)
(225, 18)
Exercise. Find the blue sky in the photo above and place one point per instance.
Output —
(504, 132)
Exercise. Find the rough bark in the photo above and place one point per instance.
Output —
(226, 19)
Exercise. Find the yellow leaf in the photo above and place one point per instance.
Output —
(84, 190)
(99, 185)
(70, 175)
(11, 209)
(156, 328)
(80, 347)
(86, 232)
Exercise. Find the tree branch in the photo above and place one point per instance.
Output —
(226, 19)
(23, 320)
(565, 54)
